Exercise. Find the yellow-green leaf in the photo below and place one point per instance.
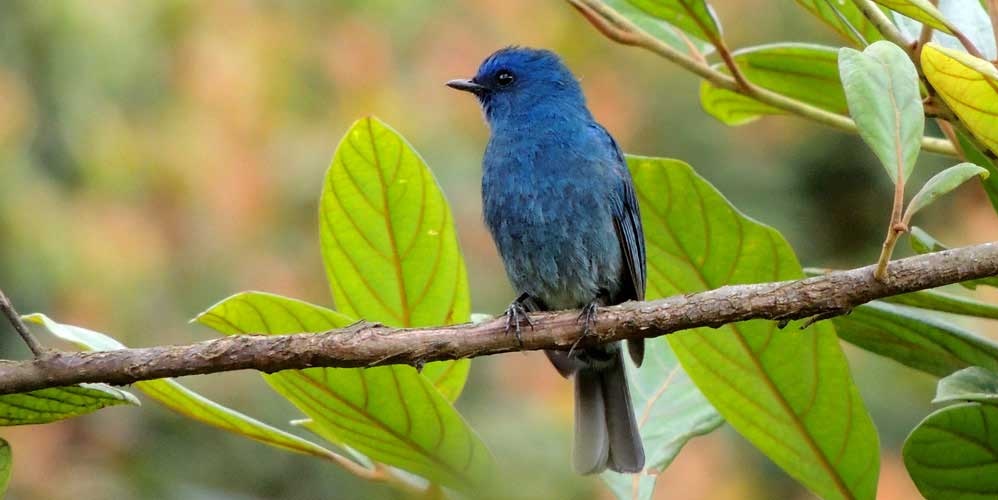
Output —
(969, 86)
(48, 405)
(805, 72)
(919, 10)
(388, 240)
(845, 18)
(391, 414)
(692, 16)
(788, 392)
(183, 400)
(6, 466)
(942, 183)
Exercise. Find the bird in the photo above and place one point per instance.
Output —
(560, 204)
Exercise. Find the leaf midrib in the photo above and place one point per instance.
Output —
(784, 404)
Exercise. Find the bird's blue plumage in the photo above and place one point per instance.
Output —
(560, 204)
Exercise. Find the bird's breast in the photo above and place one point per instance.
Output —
(555, 234)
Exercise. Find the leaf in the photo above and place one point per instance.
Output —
(945, 302)
(915, 339)
(845, 18)
(942, 183)
(808, 73)
(692, 16)
(919, 10)
(881, 87)
(971, 18)
(6, 466)
(658, 28)
(953, 453)
(969, 86)
(392, 414)
(388, 240)
(969, 384)
(922, 242)
(48, 405)
(789, 393)
(183, 400)
(670, 411)
(974, 155)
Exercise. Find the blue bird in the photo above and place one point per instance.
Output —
(560, 204)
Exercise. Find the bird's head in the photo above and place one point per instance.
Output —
(517, 82)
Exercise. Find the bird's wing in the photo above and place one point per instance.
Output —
(627, 224)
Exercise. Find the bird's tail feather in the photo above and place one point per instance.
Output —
(606, 432)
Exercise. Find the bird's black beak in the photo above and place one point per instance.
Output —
(466, 85)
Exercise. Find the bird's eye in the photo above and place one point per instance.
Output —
(504, 78)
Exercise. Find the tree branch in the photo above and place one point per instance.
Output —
(369, 345)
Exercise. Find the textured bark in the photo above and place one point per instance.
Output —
(366, 345)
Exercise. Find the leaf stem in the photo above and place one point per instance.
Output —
(925, 36)
(618, 28)
(883, 24)
(993, 13)
(895, 229)
(15, 320)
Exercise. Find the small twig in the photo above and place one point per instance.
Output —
(620, 29)
(729, 62)
(947, 129)
(883, 24)
(694, 51)
(925, 36)
(22, 329)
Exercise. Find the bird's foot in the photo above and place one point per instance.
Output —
(516, 314)
(588, 319)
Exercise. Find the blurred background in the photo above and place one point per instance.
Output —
(158, 156)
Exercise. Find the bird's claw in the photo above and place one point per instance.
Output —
(588, 319)
(515, 314)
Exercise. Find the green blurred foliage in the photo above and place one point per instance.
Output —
(156, 156)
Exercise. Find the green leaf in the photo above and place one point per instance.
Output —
(953, 453)
(658, 28)
(915, 339)
(392, 414)
(969, 86)
(6, 466)
(976, 156)
(942, 183)
(969, 384)
(388, 240)
(692, 16)
(805, 72)
(790, 393)
(184, 401)
(670, 411)
(945, 302)
(845, 18)
(922, 242)
(881, 87)
(919, 10)
(48, 405)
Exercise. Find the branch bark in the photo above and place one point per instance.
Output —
(367, 345)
